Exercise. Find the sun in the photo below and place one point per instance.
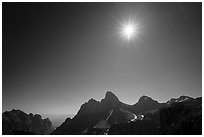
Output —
(128, 30)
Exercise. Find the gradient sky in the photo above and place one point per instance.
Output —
(56, 56)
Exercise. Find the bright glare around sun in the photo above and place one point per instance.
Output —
(128, 30)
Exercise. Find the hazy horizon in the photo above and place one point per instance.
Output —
(57, 56)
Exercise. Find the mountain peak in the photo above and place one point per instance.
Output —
(146, 100)
(91, 101)
(110, 96)
(110, 100)
(180, 99)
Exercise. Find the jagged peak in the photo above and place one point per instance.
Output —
(92, 100)
(110, 100)
(16, 111)
(110, 95)
(184, 97)
(38, 116)
(93, 105)
(180, 99)
(89, 106)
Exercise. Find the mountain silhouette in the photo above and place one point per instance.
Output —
(91, 114)
(110, 99)
(17, 122)
(145, 104)
(180, 99)
(178, 116)
(111, 116)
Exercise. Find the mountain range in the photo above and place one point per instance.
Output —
(110, 116)
(147, 116)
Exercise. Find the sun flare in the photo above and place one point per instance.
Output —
(128, 30)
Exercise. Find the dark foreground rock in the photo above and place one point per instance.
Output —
(182, 118)
(17, 122)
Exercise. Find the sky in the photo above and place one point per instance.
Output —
(57, 56)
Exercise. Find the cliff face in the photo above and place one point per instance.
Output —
(18, 122)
